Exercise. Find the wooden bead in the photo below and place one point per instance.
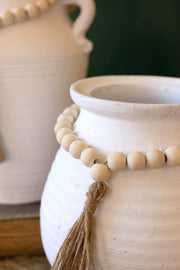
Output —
(66, 117)
(53, 2)
(67, 140)
(76, 148)
(117, 161)
(136, 160)
(1, 24)
(60, 125)
(32, 10)
(173, 155)
(100, 172)
(61, 133)
(75, 106)
(19, 14)
(155, 158)
(89, 156)
(43, 5)
(72, 111)
(7, 18)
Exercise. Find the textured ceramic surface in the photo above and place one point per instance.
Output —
(138, 221)
(40, 58)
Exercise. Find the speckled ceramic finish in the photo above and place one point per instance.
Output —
(40, 58)
(137, 225)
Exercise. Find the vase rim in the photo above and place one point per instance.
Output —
(95, 94)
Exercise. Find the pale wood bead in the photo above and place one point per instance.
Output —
(60, 125)
(53, 2)
(75, 106)
(19, 14)
(136, 160)
(43, 5)
(100, 172)
(89, 156)
(7, 17)
(72, 111)
(173, 155)
(66, 117)
(117, 161)
(61, 133)
(76, 148)
(155, 158)
(67, 140)
(32, 10)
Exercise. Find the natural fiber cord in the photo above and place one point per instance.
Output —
(74, 253)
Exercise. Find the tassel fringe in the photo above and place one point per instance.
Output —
(74, 253)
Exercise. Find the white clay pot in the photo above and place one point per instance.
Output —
(40, 58)
(137, 226)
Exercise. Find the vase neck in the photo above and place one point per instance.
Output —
(110, 134)
(124, 97)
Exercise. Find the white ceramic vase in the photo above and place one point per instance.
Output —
(40, 58)
(138, 221)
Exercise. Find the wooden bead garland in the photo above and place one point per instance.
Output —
(19, 14)
(29, 11)
(66, 117)
(67, 140)
(75, 106)
(155, 158)
(100, 172)
(61, 133)
(76, 148)
(116, 161)
(7, 18)
(136, 160)
(61, 124)
(43, 5)
(173, 155)
(72, 111)
(90, 156)
(80, 235)
(32, 10)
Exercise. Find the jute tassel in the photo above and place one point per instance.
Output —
(74, 253)
(2, 156)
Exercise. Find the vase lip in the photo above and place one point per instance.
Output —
(82, 94)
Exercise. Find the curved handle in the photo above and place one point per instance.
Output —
(2, 156)
(83, 22)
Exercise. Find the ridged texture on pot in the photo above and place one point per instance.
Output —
(138, 222)
(137, 225)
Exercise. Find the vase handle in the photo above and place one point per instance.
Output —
(2, 156)
(83, 22)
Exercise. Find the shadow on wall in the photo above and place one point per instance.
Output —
(136, 37)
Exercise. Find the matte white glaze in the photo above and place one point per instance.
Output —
(137, 225)
(40, 58)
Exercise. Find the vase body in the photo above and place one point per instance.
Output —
(40, 58)
(137, 223)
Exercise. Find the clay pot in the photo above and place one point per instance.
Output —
(137, 223)
(40, 58)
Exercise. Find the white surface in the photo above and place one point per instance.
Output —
(138, 221)
(40, 58)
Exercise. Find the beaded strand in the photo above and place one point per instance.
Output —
(29, 11)
(101, 166)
